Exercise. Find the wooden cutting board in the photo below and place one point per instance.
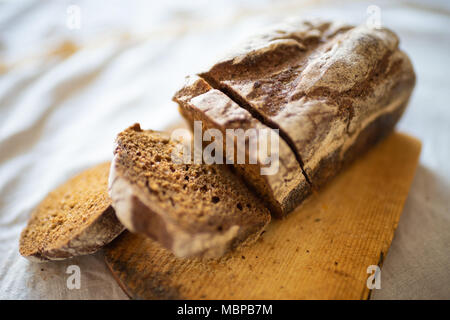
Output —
(320, 251)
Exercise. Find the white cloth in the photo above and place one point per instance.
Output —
(73, 74)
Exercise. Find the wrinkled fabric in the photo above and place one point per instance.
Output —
(74, 74)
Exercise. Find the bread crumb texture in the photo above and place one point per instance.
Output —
(67, 212)
(197, 198)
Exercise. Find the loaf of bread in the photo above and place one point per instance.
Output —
(191, 209)
(75, 219)
(332, 90)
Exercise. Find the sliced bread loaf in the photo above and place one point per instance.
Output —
(332, 90)
(75, 219)
(191, 209)
(285, 185)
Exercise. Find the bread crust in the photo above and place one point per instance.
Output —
(324, 85)
(101, 232)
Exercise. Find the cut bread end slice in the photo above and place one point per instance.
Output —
(75, 219)
(284, 186)
(191, 209)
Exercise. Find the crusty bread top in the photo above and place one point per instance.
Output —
(175, 202)
(59, 227)
(321, 83)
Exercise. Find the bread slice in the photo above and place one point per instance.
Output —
(75, 219)
(333, 90)
(286, 185)
(191, 209)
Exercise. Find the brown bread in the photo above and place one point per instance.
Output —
(333, 90)
(281, 190)
(74, 219)
(191, 209)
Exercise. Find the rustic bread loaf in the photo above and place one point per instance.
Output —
(281, 189)
(75, 219)
(191, 209)
(332, 90)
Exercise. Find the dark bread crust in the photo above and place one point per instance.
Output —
(321, 82)
(376, 131)
(331, 89)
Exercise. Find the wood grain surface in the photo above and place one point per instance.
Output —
(320, 251)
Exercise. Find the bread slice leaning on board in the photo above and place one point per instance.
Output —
(191, 209)
(333, 91)
(74, 219)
